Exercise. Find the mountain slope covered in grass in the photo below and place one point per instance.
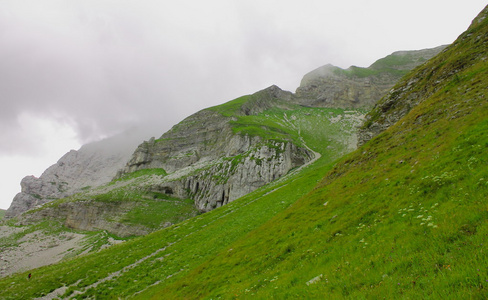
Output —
(404, 216)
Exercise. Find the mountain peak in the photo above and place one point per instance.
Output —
(356, 87)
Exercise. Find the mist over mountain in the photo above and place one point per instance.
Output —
(98, 163)
(337, 194)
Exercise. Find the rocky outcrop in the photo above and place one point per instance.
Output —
(210, 163)
(215, 183)
(356, 87)
(92, 165)
(90, 216)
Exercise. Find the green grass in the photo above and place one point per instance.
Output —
(143, 172)
(231, 108)
(156, 213)
(269, 125)
(403, 217)
(188, 244)
(392, 61)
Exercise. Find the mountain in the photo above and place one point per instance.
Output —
(261, 151)
(356, 87)
(403, 216)
(203, 140)
(222, 153)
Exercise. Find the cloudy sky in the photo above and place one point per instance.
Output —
(72, 72)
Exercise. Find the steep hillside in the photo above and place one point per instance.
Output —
(146, 200)
(404, 216)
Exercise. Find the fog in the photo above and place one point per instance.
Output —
(73, 72)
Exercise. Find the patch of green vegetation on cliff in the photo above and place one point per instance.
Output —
(231, 108)
(355, 72)
(368, 72)
(2, 214)
(393, 62)
(268, 125)
(149, 209)
(143, 172)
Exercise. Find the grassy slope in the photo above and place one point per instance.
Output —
(405, 216)
(192, 242)
(402, 217)
(2, 213)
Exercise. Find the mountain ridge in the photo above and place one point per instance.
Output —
(85, 168)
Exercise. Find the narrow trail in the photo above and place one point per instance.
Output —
(60, 291)
(316, 154)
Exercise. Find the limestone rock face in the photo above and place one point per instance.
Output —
(206, 135)
(328, 87)
(229, 179)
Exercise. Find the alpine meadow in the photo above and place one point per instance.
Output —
(367, 183)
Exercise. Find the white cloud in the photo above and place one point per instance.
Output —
(50, 138)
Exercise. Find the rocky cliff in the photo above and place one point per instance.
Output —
(355, 87)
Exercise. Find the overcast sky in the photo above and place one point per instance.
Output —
(72, 72)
